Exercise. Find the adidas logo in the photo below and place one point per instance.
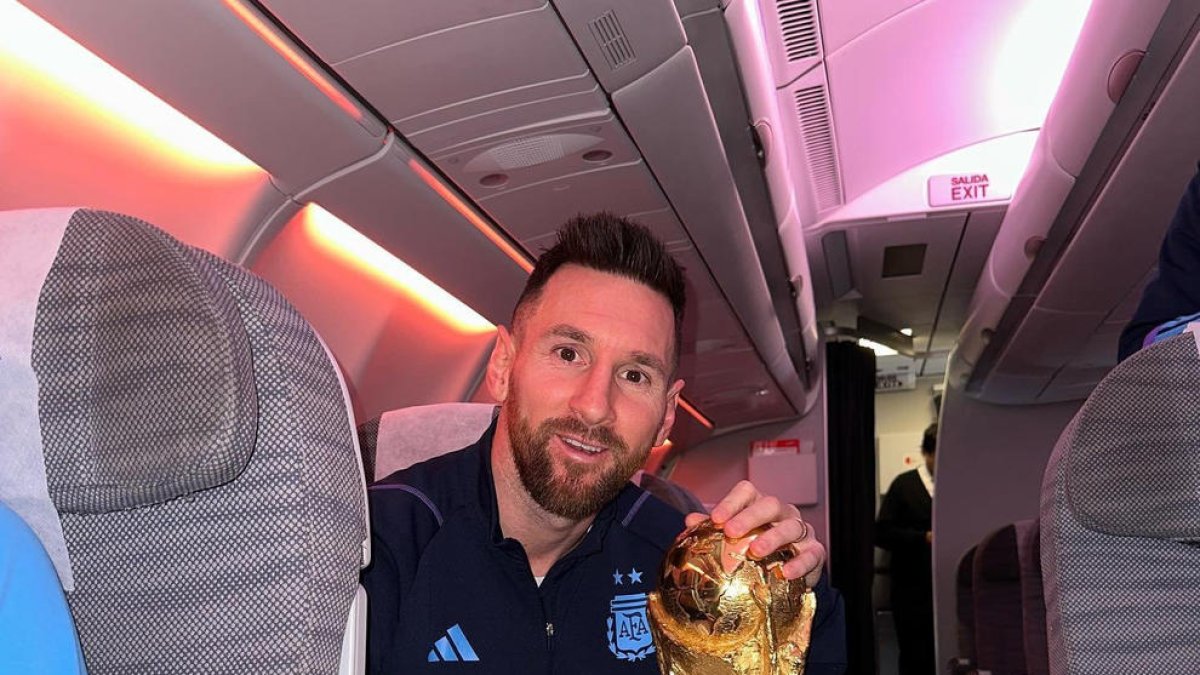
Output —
(452, 647)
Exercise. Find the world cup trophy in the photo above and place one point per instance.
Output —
(717, 612)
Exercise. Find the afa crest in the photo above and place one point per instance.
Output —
(629, 637)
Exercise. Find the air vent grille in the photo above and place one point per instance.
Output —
(812, 107)
(611, 38)
(798, 22)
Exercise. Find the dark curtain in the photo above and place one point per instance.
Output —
(850, 387)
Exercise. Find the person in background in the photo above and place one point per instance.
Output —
(905, 528)
(1172, 298)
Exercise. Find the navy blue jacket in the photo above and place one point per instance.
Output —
(447, 591)
(1175, 289)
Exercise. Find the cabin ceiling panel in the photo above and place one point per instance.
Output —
(538, 209)
(470, 69)
(908, 298)
(533, 155)
(338, 31)
(922, 84)
(842, 22)
(436, 136)
(623, 39)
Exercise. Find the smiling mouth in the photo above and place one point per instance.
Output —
(581, 446)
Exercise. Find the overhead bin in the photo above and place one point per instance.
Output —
(666, 110)
(207, 60)
(387, 199)
(1073, 254)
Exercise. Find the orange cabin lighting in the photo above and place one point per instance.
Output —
(354, 248)
(294, 58)
(518, 256)
(31, 45)
(695, 413)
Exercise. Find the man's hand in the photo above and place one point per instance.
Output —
(744, 509)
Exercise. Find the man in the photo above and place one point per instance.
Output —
(530, 551)
(905, 527)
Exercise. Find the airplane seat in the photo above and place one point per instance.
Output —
(180, 440)
(1120, 521)
(399, 438)
(1033, 602)
(964, 593)
(996, 583)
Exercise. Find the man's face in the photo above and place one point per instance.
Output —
(585, 387)
(929, 457)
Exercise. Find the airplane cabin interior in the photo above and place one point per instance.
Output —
(968, 195)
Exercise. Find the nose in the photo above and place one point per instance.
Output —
(592, 400)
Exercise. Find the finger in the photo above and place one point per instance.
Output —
(694, 519)
(763, 511)
(807, 564)
(738, 498)
(783, 533)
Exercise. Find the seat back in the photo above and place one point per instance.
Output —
(197, 446)
(964, 590)
(1120, 521)
(1033, 603)
(400, 438)
(996, 582)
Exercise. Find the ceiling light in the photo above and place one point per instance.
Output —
(295, 58)
(907, 331)
(880, 350)
(61, 65)
(337, 237)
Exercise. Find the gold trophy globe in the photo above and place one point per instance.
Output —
(717, 612)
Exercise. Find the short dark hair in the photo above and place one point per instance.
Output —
(609, 243)
(929, 440)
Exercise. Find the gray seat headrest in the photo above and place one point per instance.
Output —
(1134, 465)
(406, 436)
(137, 344)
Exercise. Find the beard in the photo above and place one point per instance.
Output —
(568, 489)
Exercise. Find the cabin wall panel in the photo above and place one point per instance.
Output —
(394, 351)
(990, 462)
(711, 468)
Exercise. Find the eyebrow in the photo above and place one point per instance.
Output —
(645, 359)
(650, 361)
(571, 333)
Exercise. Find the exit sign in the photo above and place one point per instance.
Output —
(964, 188)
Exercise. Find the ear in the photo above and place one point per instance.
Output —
(499, 366)
(668, 420)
